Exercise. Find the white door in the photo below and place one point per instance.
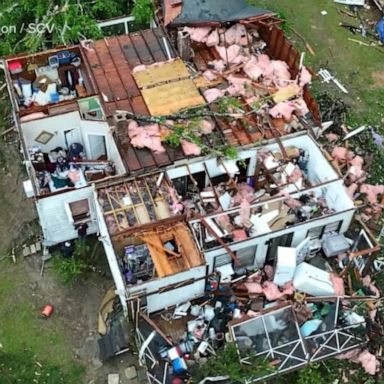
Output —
(73, 135)
(97, 146)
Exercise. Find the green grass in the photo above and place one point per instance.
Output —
(28, 341)
(359, 68)
(352, 64)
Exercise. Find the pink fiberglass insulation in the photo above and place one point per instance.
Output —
(190, 149)
(351, 190)
(213, 94)
(239, 234)
(369, 362)
(218, 65)
(199, 34)
(264, 62)
(296, 175)
(269, 271)
(305, 77)
(340, 153)
(367, 282)
(213, 39)
(245, 211)
(237, 34)
(176, 205)
(239, 86)
(207, 125)
(338, 285)
(245, 191)
(225, 222)
(209, 75)
(147, 136)
(231, 54)
(271, 291)
(253, 287)
(283, 109)
(293, 203)
(281, 73)
(357, 161)
(332, 137)
(288, 288)
(372, 192)
(301, 107)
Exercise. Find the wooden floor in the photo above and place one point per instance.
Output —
(173, 328)
(185, 256)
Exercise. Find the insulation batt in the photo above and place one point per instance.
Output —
(207, 125)
(239, 85)
(369, 362)
(190, 149)
(372, 192)
(332, 137)
(338, 285)
(176, 206)
(351, 190)
(245, 211)
(305, 77)
(231, 54)
(269, 271)
(237, 34)
(213, 94)
(245, 192)
(209, 75)
(199, 34)
(301, 107)
(264, 63)
(146, 136)
(367, 282)
(218, 65)
(281, 72)
(271, 291)
(340, 153)
(213, 39)
(283, 109)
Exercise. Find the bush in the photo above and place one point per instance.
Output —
(69, 271)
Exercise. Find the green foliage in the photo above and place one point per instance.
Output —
(66, 21)
(25, 367)
(69, 271)
(227, 363)
(142, 11)
(226, 103)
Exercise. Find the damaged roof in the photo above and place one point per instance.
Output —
(209, 11)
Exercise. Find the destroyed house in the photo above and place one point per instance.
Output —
(193, 236)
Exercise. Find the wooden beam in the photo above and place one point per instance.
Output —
(219, 240)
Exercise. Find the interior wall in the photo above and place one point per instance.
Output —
(299, 234)
(55, 125)
(157, 302)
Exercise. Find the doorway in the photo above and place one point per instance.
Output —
(280, 241)
(97, 147)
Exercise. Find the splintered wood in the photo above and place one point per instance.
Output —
(168, 262)
(167, 88)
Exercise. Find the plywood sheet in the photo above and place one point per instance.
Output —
(170, 98)
(161, 73)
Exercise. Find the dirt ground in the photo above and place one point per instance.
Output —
(75, 308)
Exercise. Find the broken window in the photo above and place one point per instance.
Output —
(78, 211)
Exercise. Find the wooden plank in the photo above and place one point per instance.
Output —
(163, 73)
(170, 98)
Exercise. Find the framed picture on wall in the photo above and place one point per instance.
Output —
(44, 137)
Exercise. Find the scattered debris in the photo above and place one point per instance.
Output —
(327, 77)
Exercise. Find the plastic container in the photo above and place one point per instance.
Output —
(15, 67)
